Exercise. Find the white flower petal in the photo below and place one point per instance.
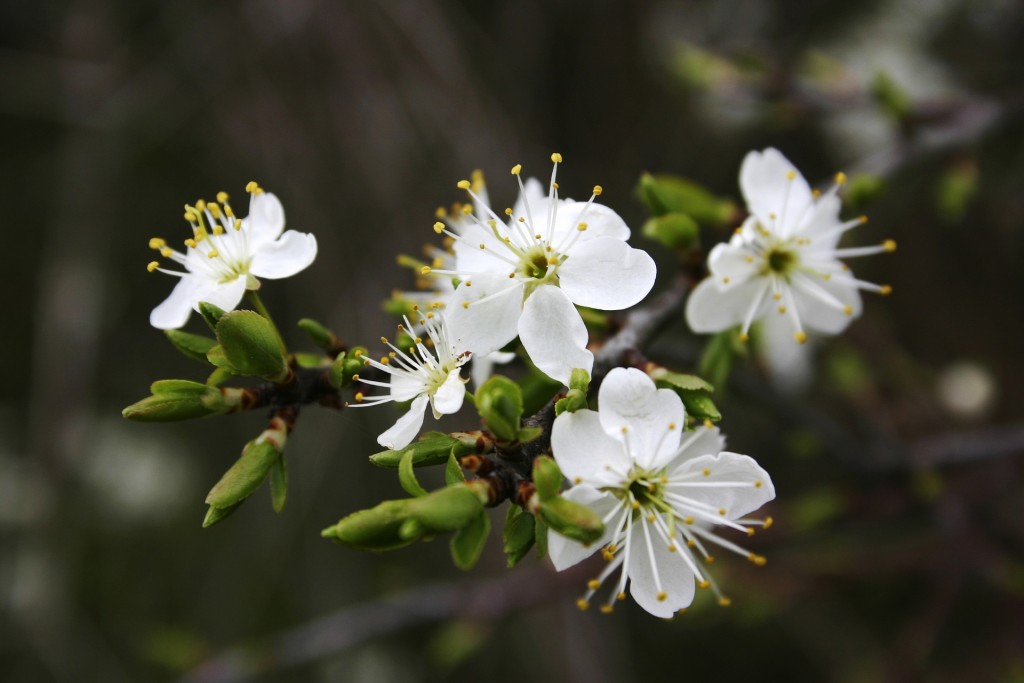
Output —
(601, 221)
(284, 257)
(737, 501)
(553, 334)
(265, 221)
(709, 309)
(484, 326)
(787, 361)
(405, 386)
(224, 295)
(607, 274)
(482, 367)
(471, 259)
(448, 397)
(822, 317)
(732, 264)
(407, 427)
(535, 195)
(701, 441)
(585, 454)
(177, 307)
(565, 552)
(772, 186)
(653, 418)
(674, 577)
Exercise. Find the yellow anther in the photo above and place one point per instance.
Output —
(607, 609)
(463, 185)
(152, 265)
(166, 252)
(598, 190)
(886, 290)
(690, 543)
(517, 169)
(556, 158)
(759, 560)
(577, 480)
(800, 336)
(672, 547)
(725, 279)
(438, 227)
(768, 523)
(671, 426)
(465, 304)
(889, 245)
(721, 511)
(593, 584)
(251, 186)
(582, 604)
(190, 243)
(238, 224)
(635, 505)
(688, 520)
(553, 261)
(620, 596)
(554, 185)
(710, 559)
(662, 596)
(862, 219)
(704, 583)
(214, 209)
(744, 337)
(359, 396)
(848, 310)
(777, 296)
(189, 217)
(228, 211)
(425, 270)
(384, 360)
(466, 210)
(218, 230)
(222, 196)
(724, 601)
(840, 178)
(358, 353)
(157, 243)
(625, 429)
(440, 212)
(200, 205)
(815, 193)
(782, 309)
(437, 262)
(790, 175)
(758, 484)
(355, 378)
(651, 517)
(708, 423)
(748, 259)
(706, 472)
(383, 340)
(750, 531)
(581, 227)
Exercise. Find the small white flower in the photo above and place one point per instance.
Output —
(783, 260)
(660, 492)
(522, 276)
(421, 376)
(225, 255)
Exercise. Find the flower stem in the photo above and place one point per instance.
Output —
(257, 303)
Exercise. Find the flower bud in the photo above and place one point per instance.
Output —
(665, 194)
(178, 399)
(319, 335)
(500, 403)
(576, 398)
(447, 509)
(251, 345)
(346, 366)
(547, 477)
(433, 449)
(571, 519)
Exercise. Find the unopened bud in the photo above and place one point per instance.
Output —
(379, 528)
(571, 519)
(447, 509)
(252, 346)
(174, 400)
(246, 475)
(547, 477)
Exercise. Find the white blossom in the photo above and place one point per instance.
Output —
(662, 493)
(225, 255)
(783, 261)
(419, 375)
(523, 274)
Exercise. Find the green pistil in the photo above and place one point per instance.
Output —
(780, 261)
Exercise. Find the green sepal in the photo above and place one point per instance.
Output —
(700, 406)
(378, 528)
(194, 346)
(468, 542)
(518, 536)
(178, 386)
(500, 403)
(217, 358)
(528, 434)
(319, 334)
(674, 230)
(453, 473)
(251, 345)
(279, 484)
(547, 477)
(309, 360)
(219, 376)
(216, 514)
(666, 194)
(433, 448)
(211, 314)
(246, 475)
(576, 398)
(572, 520)
(345, 366)
(717, 359)
(407, 477)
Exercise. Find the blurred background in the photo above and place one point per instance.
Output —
(898, 548)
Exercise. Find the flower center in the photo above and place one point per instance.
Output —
(779, 260)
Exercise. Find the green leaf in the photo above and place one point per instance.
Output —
(319, 334)
(518, 536)
(674, 380)
(407, 477)
(245, 476)
(219, 376)
(446, 509)
(700, 406)
(217, 357)
(469, 541)
(540, 537)
(215, 514)
(453, 473)
(279, 484)
(194, 346)
(179, 386)
(666, 194)
(500, 403)
(251, 345)
(379, 528)
(434, 448)
(211, 314)
(175, 400)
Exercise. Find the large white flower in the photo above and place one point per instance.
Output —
(522, 276)
(225, 255)
(421, 376)
(660, 491)
(783, 260)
